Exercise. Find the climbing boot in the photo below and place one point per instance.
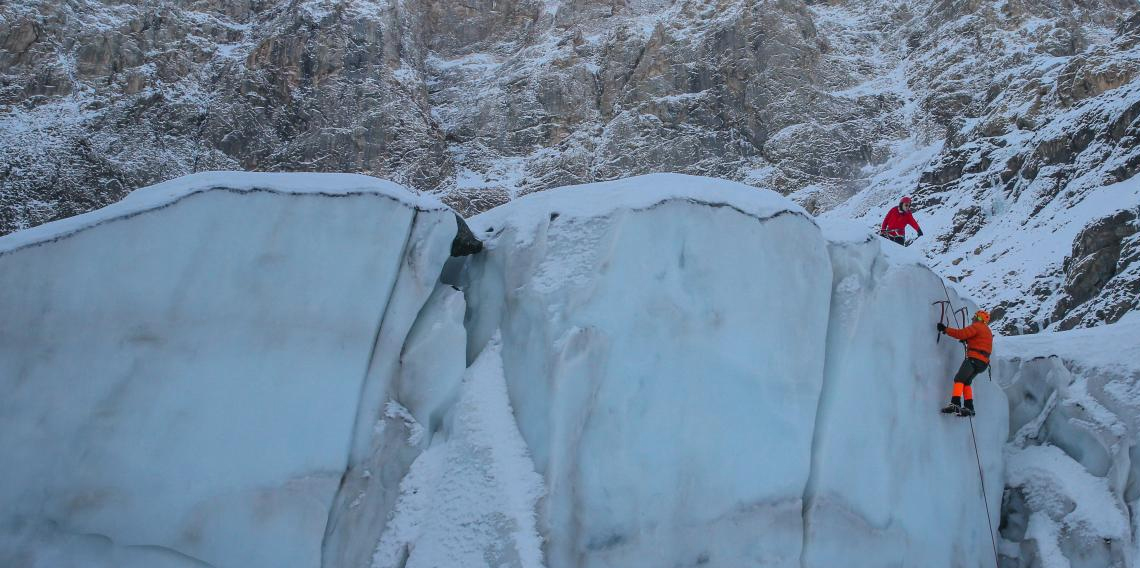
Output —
(968, 408)
(952, 409)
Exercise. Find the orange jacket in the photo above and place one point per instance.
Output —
(978, 337)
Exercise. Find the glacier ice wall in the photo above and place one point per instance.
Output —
(281, 370)
(713, 381)
(182, 371)
(891, 479)
(663, 356)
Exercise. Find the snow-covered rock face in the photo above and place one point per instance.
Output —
(275, 370)
(1072, 461)
(1031, 200)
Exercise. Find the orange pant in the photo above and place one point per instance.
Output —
(961, 390)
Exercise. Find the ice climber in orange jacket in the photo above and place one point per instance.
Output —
(979, 342)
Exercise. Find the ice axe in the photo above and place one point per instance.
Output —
(961, 321)
(941, 317)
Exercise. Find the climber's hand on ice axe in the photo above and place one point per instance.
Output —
(941, 327)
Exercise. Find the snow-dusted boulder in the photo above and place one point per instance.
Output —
(186, 374)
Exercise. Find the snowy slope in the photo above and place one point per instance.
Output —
(1030, 201)
(470, 499)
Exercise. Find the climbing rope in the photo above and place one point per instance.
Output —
(982, 479)
(977, 455)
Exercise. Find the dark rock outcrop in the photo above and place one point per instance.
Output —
(465, 242)
(1102, 251)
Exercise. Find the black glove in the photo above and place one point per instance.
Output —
(941, 327)
(919, 233)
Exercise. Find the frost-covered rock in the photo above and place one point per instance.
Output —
(187, 373)
(1102, 275)
(487, 101)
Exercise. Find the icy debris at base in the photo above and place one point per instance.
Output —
(1046, 533)
(469, 500)
(1059, 487)
(1072, 469)
(395, 411)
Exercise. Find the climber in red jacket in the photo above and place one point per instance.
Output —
(894, 224)
(979, 342)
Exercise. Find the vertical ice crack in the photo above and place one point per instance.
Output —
(844, 283)
(807, 500)
(330, 522)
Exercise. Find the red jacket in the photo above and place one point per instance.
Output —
(894, 225)
(979, 340)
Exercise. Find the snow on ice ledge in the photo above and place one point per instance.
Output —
(184, 371)
(172, 191)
